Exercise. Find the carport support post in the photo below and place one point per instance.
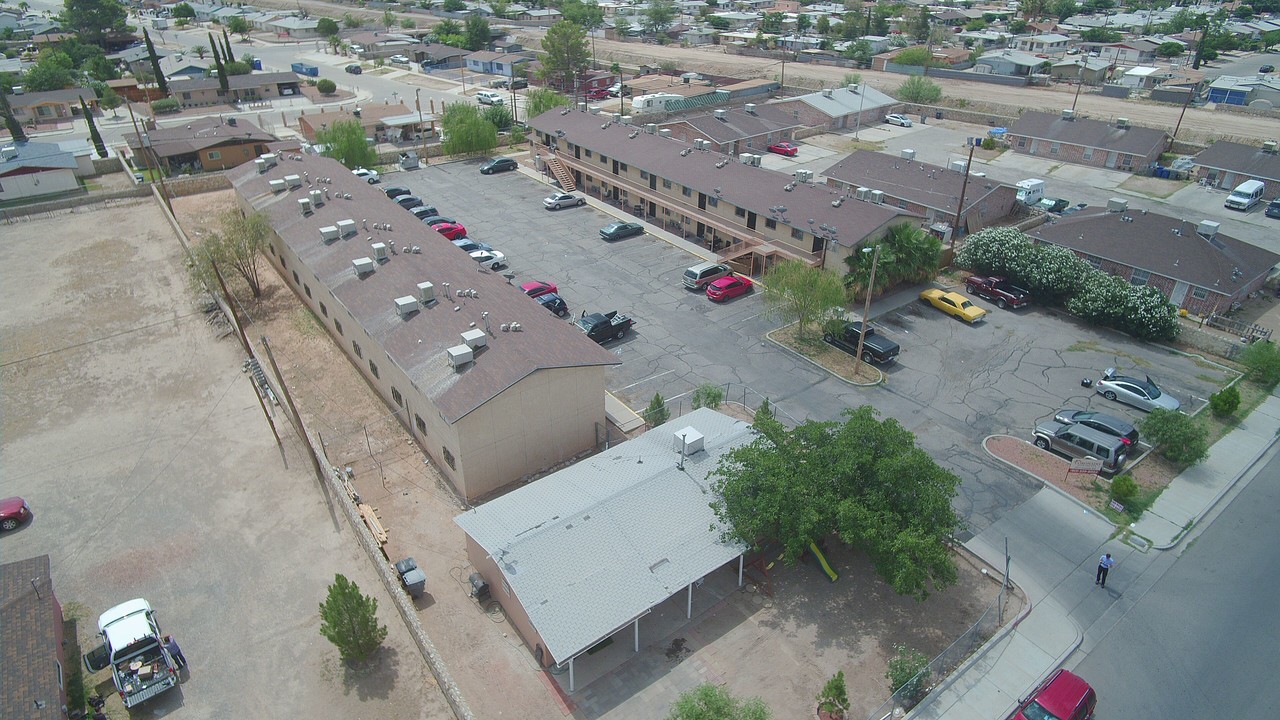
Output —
(570, 674)
(688, 612)
(740, 571)
(636, 641)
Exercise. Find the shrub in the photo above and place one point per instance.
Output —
(165, 105)
(919, 89)
(1263, 361)
(708, 396)
(1180, 438)
(988, 143)
(657, 412)
(1123, 489)
(326, 86)
(834, 697)
(1224, 402)
(908, 674)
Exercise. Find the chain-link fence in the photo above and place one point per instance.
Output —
(919, 686)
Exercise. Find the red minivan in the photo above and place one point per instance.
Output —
(1064, 696)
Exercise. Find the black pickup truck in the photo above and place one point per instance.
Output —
(603, 327)
(875, 348)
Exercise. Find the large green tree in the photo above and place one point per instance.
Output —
(477, 33)
(794, 290)
(349, 619)
(327, 26)
(919, 89)
(564, 55)
(94, 20)
(658, 16)
(540, 100)
(588, 17)
(345, 142)
(466, 131)
(864, 479)
(53, 71)
(236, 247)
(713, 702)
(907, 253)
(155, 64)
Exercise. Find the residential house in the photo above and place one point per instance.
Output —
(1235, 90)
(736, 130)
(1087, 70)
(224, 14)
(1227, 164)
(696, 36)
(840, 108)
(1117, 146)
(201, 144)
(435, 56)
(920, 188)
(255, 87)
(982, 39)
(382, 123)
(1125, 52)
(642, 534)
(949, 17)
(957, 58)
(129, 89)
(1048, 44)
(262, 20)
(295, 27)
(1014, 63)
(50, 106)
(32, 169)
(1142, 77)
(1192, 264)
(398, 305)
(545, 15)
(204, 11)
(495, 63)
(755, 214)
(181, 66)
(32, 645)
(137, 59)
(738, 20)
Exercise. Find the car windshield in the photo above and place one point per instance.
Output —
(1036, 711)
(1150, 389)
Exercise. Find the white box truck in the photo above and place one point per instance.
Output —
(1030, 191)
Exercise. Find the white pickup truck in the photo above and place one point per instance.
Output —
(131, 646)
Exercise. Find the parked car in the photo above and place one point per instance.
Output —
(703, 274)
(1273, 208)
(492, 258)
(1109, 424)
(469, 246)
(953, 303)
(537, 288)
(896, 119)
(354, 69)
(563, 200)
(399, 59)
(409, 202)
(357, 48)
(424, 212)
(438, 220)
(1053, 205)
(494, 165)
(490, 97)
(13, 512)
(554, 303)
(999, 290)
(876, 348)
(517, 84)
(1082, 441)
(619, 230)
(1142, 394)
(452, 231)
(396, 191)
(728, 287)
(597, 94)
(1064, 695)
(784, 148)
(371, 176)
(603, 327)
(1267, 68)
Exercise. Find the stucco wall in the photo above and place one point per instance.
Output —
(511, 607)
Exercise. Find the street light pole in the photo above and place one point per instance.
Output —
(866, 309)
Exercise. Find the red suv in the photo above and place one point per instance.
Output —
(1064, 696)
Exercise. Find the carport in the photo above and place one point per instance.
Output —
(584, 553)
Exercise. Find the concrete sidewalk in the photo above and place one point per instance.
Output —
(1010, 665)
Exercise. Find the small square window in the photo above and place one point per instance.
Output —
(644, 174)
(586, 153)
(1200, 293)
(296, 280)
(1139, 277)
(418, 423)
(395, 395)
(740, 212)
(356, 346)
(687, 192)
(771, 224)
(712, 202)
(324, 310)
(604, 159)
(1088, 154)
(1096, 262)
(1054, 148)
(1022, 142)
(797, 234)
(215, 155)
(448, 458)
(622, 167)
(666, 184)
(337, 325)
(373, 369)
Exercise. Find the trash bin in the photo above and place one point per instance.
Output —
(937, 115)
(415, 582)
(409, 160)
(405, 566)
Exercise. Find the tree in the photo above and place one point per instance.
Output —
(919, 89)
(564, 55)
(657, 412)
(803, 23)
(540, 100)
(588, 17)
(96, 136)
(53, 71)
(920, 26)
(477, 33)
(1063, 9)
(498, 116)
(327, 26)
(863, 478)
(466, 131)
(161, 83)
(350, 21)
(334, 42)
(500, 8)
(239, 26)
(713, 702)
(860, 52)
(708, 396)
(1225, 402)
(1183, 439)
(94, 20)
(918, 56)
(772, 22)
(908, 674)
(345, 142)
(200, 51)
(834, 698)
(326, 86)
(659, 15)
(454, 6)
(183, 10)
(222, 69)
(793, 290)
(823, 26)
(349, 620)
(1262, 359)
(408, 23)
(237, 246)
(110, 100)
(1101, 35)
(907, 253)
(1170, 49)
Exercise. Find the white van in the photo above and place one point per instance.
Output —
(1245, 196)
(490, 97)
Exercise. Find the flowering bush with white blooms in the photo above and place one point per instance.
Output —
(1052, 273)
(993, 251)
(1140, 311)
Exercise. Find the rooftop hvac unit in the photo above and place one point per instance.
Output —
(826, 92)
(959, 165)
(626, 120)
(270, 159)
(1122, 123)
(755, 160)
(862, 193)
(317, 198)
(664, 132)
(1068, 114)
(908, 154)
(459, 355)
(363, 265)
(1208, 228)
(804, 175)
(475, 338)
(426, 293)
(329, 233)
(406, 306)
(688, 441)
(853, 89)
(751, 108)
(651, 128)
(261, 165)
(379, 252)
(1117, 205)
(294, 181)
(877, 197)
(278, 185)
(722, 115)
(582, 106)
(346, 227)
(304, 205)
(617, 117)
(1269, 147)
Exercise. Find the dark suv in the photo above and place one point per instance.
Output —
(1273, 208)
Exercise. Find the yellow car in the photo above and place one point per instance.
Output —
(953, 303)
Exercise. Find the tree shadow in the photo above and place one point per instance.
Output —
(375, 678)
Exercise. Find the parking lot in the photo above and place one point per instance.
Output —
(953, 385)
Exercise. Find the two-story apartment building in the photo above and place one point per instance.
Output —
(735, 130)
(1117, 146)
(754, 213)
(1048, 44)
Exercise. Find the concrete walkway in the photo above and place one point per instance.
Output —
(1061, 598)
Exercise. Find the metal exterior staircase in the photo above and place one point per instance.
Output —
(561, 174)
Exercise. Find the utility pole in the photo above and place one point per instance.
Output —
(960, 205)
(293, 410)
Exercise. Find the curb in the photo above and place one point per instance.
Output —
(769, 336)
(1047, 483)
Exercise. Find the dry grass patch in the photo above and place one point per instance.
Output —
(833, 360)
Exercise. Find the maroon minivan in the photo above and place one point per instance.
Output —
(1064, 696)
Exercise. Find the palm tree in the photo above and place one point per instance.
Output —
(200, 50)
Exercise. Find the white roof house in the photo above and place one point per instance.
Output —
(590, 549)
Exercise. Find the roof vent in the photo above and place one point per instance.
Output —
(826, 92)
(329, 233)
(379, 252)
(406, 306)
(862, 193)
(346, 227)
(1208, 228)
(317, 198)
(688, 441)
(1269, 147)
(261, 165)
(722, 115)
(751, 108)
(959, 165)
(278, 186)
(475, 338)
(1122, 123)
(853, 89)
(426, 293)
(908, 154)
(664, 132)
(626, 119)
(459, 355)
(1117, 205)
(304, 204)
(363, 265)
(294, 181)
(231, 122)
(1068, 114)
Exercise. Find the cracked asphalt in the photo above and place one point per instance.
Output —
(953, 384)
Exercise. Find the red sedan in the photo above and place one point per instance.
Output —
(785, 148)
(537, 288)
(729, 286)
(1064, 695)
(452, 231)
(13, 512)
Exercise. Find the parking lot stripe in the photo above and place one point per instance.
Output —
(644, 380)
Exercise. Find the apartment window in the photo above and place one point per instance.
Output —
(1088, 154)
(271, 248)
(283, 264)
(740, 212)
(604, 159)
(186, 96)
(307, 289)
(448, 458)
(797, 234)
(687, 192)
(712, 202)
(1200, 294)
(418, 423)
(587, 153)
(622, 167)
(1054, 148)
(1096, 262)
(1022, 142)
(902, 203)
(644, 174)
(337, 326)
(356, 346)
(1139, 277)
(215, 155)
(324, 310)
(395, 395)
(771, 224)
(296, 280)
(373, 369)
(666, 184)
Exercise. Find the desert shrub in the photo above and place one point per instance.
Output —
(1224, 402)
(1180, 438)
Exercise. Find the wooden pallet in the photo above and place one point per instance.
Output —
(370, 515)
